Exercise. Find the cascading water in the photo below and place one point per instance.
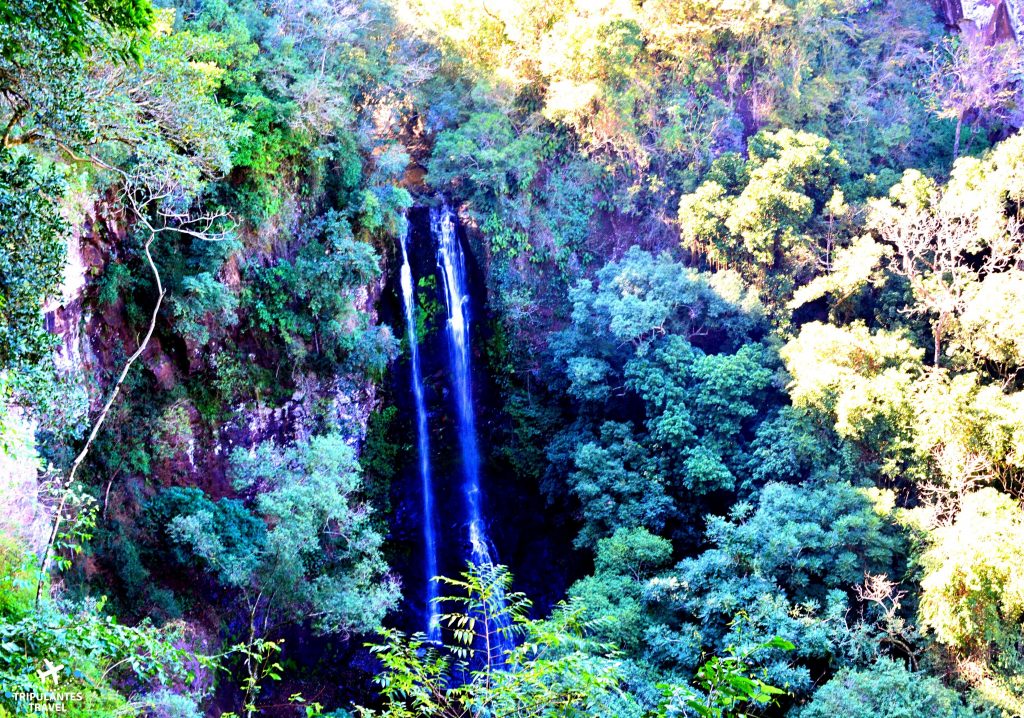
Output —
(452, 264)
(423, 446)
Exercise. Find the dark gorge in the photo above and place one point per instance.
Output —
(516, 517)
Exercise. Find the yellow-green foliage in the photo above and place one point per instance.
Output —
(972, 598)
(873, 389)
(863, 381)
(758, 217)
(17, 579)
(973, 588)
(992, 326)
(984, 188)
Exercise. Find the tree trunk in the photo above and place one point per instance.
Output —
(956, 135)
(938, 330)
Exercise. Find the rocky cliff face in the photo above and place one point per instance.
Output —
(987, 21)
(94, 338)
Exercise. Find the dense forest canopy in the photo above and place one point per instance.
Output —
(745, 284)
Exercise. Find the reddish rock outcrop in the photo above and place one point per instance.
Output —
(988, 21)
(1000, 26)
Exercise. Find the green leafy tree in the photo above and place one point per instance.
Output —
(615, 484)
(304, 549)
(781, 567)
(488, 155)
(322, 555)
(622, 565)
(555, 668)
(763, 224)
(725, 686)
(31, 256)
(884, 690)
(76, 26)
(204, 301)
(223, 535)
(310, 303)
(677, 343)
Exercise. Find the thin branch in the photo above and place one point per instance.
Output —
(140, 210)
(143, 345)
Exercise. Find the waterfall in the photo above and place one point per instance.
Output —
(452, 264)
(423, 446)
